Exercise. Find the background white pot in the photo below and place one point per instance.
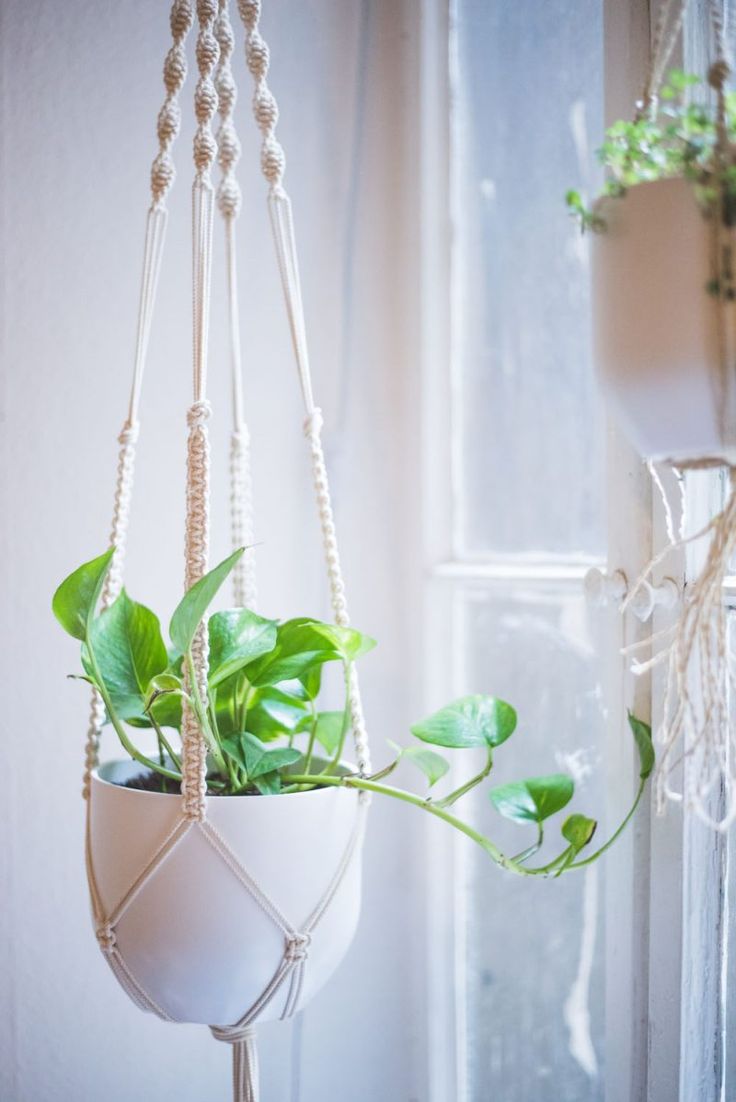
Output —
(656, 326)
(194, 937)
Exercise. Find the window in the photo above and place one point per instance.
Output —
(526, 519)
(616, 985)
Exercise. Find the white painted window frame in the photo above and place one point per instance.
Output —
(664, 1031)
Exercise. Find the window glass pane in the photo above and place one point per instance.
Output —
(527, 115)
(534, 959)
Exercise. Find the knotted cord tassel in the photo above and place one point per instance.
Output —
(695, 730)
(245, 1060)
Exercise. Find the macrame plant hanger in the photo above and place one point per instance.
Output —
(216, 90)
(697, 733)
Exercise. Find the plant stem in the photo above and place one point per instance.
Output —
(312, 736)
(616, 834)
(333, 764)
(163, 741)
(201, 715)
(527, 853)
(120, 731)
(418, 801)
(449, 800)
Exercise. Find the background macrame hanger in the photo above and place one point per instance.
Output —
(162, 178)
(229, 202)
(273, 162)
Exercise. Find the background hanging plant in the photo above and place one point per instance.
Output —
(261, 720)
(678, 138)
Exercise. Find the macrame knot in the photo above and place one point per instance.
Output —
(313, 423)
(224, 35)
(257, 56)
(273, 160)
(297, 947)
(182, 16)
(168, 122)
(719, 73)
(129, 433)
(208, 52)
(250, 12)
(205, 149)
(175, 70)
(232, 1034)
(106, 938)
(226, 91)
(228, 146)
(241, 435)
(229, 198)
(163, 174)
(205, 100)
(265, 109)
(206, 10)
(199, 414)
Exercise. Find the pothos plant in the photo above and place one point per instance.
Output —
(678, 137)
(265, 732)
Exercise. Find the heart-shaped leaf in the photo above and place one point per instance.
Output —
(432, 764)
(642, 732)
(533, 800)
(349, 643)
(195, 602)
(470, 721)
(299, 648)
(271, 710)
(237, 636)
(328, 731)
(269, 784)
(130, 652)
(257, 760)
(578, 831)
(76, 598)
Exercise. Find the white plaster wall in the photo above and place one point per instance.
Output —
(81, 86)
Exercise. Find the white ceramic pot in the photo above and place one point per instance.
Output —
(656, 340)
(193, 938)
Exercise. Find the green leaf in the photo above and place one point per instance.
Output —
(195, 602)
(269, 784)
(257, 760)
(578, 831)
(237, 637)
(272, 710)
(533, 800)
(300, 646)
(349, 643)
(470, 721)
(130, 652)
(643, 734)
(433, 765)
(328, 731)
(76, 598)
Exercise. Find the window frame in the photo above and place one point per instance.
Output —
(653, 1041)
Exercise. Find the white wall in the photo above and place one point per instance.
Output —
(81, 89)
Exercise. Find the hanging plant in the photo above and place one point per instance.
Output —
(664, 326)
(292, 800)
(224, 866)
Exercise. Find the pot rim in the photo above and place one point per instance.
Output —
(345, 767)
(618, 202)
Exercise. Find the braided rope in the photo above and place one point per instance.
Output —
(229, 200)
(168, 124)
(162, 177)
(196, 546)
(273, 161)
